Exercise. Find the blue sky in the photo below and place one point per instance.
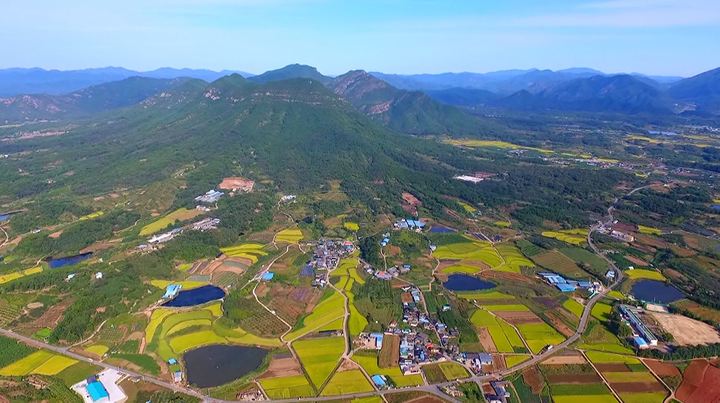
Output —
(667, 37)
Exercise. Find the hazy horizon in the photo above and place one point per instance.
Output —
(652, 37)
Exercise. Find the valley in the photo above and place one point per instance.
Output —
(297, 237)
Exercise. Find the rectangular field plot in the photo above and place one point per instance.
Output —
(288, 387)
(347, 382)
(539, 335)
(557, 262)
(40, 362)
(628, 377)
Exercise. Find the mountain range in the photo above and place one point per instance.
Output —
(451, 111)
(17, 81)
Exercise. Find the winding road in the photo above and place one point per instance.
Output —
(432, 389)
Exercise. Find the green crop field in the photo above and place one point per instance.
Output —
(539, 335)
(648, 397)
(623, 377)
(186, 342)
(347, 382)
(97, 349)
(559, 263)
(453, 370)
(601, 312)
(574, 307)
(507, 308)
(6, 278)
(504, 336)
(250, 251)
(319, 356)
(288, 387)
(461, 268)
(181, 214)
(327, 311)
(40, 362)
(643, 274)
(512, 258)
(649, 230)
(369, 361)
(610, 358)
(290, 235)
(576, 236)
(596, 264)
(513, 360)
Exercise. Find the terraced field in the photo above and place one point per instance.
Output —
(576, 236)
(181, 214)
(290, 235)
(171, 333)
(8, 277)
(251, 251)
(348, 274)
(644, 274)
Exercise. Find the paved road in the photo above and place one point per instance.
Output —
(432, 389)
(66, 352)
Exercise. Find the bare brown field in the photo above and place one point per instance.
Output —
(498, 362)
(519, 317)
(687, 331)
(390, 352)
(610, 367)
(701, 383)
(533, 379)
(559, 324)
(282, 366)
(486, 340)
(662, 369)
(565, 360)
(637, 261)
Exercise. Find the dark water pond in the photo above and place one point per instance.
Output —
(656, 291)
(68, 260)
(440, 229)
(219, 364)
(196, 296)
(4, 217)
(463, 282)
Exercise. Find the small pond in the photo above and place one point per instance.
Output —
(4, 217)
(463, 282)
(656, 291)
(217, 365)
(441, 229)
(68, 260)
(196, 296)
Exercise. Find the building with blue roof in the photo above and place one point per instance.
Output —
(566, 287)
(171, 291)
(268, 276)
(378, 339)
(640, 342)
(97, 391)
(379, 381)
